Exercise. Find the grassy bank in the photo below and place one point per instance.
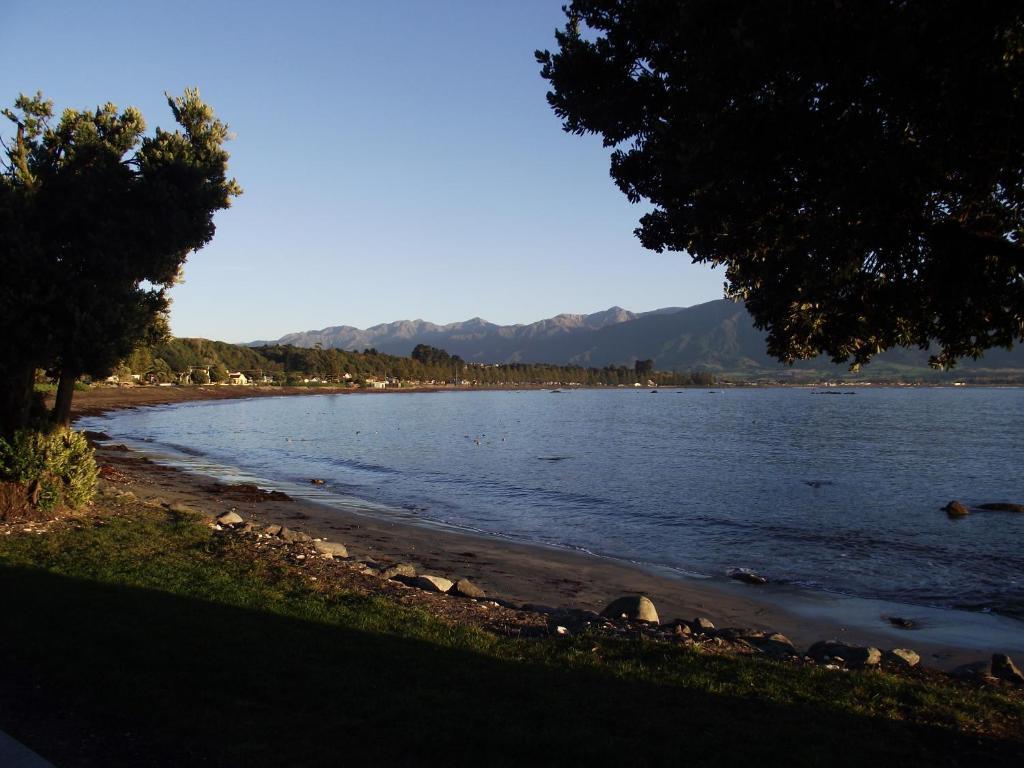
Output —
(137, 637)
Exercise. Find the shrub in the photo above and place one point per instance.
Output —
(58, 467)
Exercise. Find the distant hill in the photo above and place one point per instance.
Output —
(717, 336)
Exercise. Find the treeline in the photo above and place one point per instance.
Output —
(202, 360)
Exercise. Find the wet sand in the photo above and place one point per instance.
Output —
(528, 573)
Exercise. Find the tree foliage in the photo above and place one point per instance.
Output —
(429, 355)
(96, 221)
(857, 168)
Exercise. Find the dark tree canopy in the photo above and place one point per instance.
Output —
(424, 353)
(96, 221)
(857, 168)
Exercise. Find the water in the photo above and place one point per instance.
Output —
(840, 492)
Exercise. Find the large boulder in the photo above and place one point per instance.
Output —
(1004, 669)
(467, 588)
(826, 651)
(230, 518)
(272, 529)
(632, 608)
(902, 657)
(776, 645)
(956, 509)
(405, 570)
(294, 537)
(330, 549)
(703, 624)
(433, 583)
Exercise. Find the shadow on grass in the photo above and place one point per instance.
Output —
(93, 674)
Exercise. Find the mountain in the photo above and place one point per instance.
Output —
(717, 336)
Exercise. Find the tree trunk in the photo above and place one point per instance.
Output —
(16, 381)
(61, 414)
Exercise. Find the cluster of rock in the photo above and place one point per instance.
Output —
(402, 572)
(639, 612)
(634, 615)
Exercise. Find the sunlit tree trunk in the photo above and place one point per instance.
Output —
(61, 414)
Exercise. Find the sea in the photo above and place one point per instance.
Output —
(836, 489)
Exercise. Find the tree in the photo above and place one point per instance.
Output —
(96, 221)
(218, 373)
(643, 367)
(857, 168)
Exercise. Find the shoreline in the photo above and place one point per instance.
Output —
(538, 575)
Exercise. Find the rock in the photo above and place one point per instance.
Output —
(182, 509)
(317, 481)
(776, 645)
(402, 569)
(632, 608)
(560, 630)
(682, 629)
(747, 576)
(701, 624)
(467, 588)
(903, 657)
(126, 496)
(866, 657)
(1002, 506)
(956, 509)
(976, 671)
(1004, 669)
(851, 655)
(272, 530)
(734, 634)
(156, 501)
(330, 549)
(230, 518)
(433, 583)
(294, 537)
(899, 621)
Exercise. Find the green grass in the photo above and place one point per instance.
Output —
(139, 638)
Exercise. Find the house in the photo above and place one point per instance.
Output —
(374, 384)
(237, 378)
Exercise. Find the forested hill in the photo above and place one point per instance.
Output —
(200, 361)
(717, 336)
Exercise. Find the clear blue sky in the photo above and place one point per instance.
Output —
(399, 159)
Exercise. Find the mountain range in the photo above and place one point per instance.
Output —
(717, 336)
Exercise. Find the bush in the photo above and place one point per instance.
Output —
(57, 467)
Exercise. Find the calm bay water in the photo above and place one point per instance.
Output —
(840, 492)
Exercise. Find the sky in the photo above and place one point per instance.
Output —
(399, 159)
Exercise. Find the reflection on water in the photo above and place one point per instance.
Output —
(839, 493)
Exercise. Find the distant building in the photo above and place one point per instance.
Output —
(237, 378)
(375, 384)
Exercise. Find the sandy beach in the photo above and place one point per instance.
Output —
(548, 576)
